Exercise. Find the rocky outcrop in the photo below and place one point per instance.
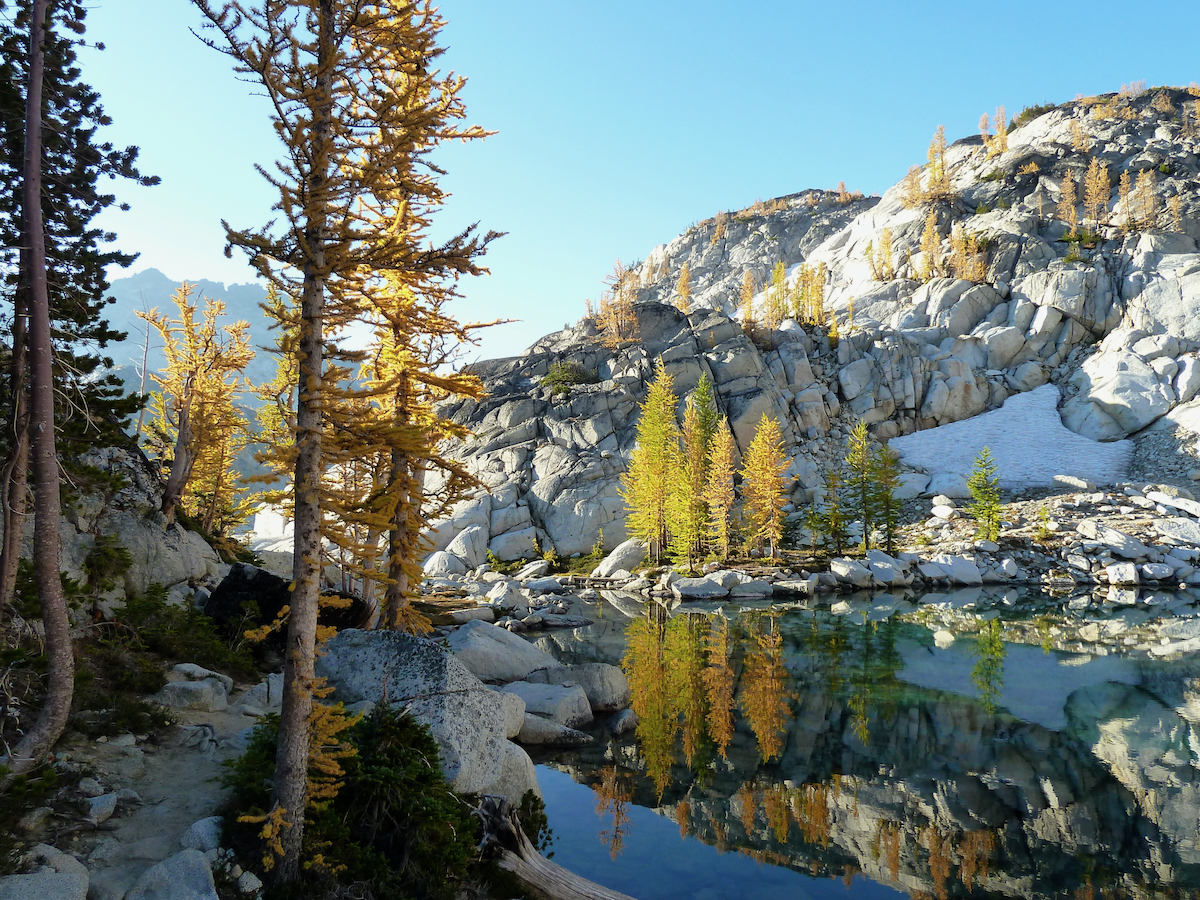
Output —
(1111, 325)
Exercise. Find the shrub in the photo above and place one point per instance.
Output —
(393, 830)
(565, 373)
(1029, 113)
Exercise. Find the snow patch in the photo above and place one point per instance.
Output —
(1028, 441)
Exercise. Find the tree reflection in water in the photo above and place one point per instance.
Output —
(988, 672)
(613, 795)
(764, 698)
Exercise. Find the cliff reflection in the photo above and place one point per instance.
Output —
(794, 739)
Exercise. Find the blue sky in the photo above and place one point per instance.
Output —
(619, 123)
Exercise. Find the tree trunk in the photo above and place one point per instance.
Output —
(181, 464)
(57, 704)
(291, 759)
(16, 468)
(395, 597)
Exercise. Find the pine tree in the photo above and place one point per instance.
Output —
(1095, 194)
(833, 515)
(1067, 211)
(359, 106)
(985, 509)
(763, 495)
(886, 480)
(56, 705)
(1078, 139)
(861, 482)
(683, 290)
(706, 407)
(719, 491)
(646, 483)
(887, 267)
(1000, 144)
(74, 159)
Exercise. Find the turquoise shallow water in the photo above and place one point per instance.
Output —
(803, 754)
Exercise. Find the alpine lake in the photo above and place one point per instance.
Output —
(786, 751)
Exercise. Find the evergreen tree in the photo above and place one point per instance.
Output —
(886, 479)
(763, 495)
(777, 297)
(985, 508)
(683, 290)
(833, 515)
(359, 106)
(931, 248)
(719, 490)
(646, 483)
(706, 409)
(1124, 198)
(73, 160)
(861, 481)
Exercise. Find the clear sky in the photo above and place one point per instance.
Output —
(620, 123)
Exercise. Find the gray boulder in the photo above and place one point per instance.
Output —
(45, 886)
(545, 732)
(203, 835)
(1117, 541)
(184, 876)
(465, 717)
(441, 563)
(495, 654)
(470, 545)
(627, 555)
(699, 589)
(605, 686)
(565, 705)
(517, 775)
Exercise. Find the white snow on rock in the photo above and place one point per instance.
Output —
(1028, 441)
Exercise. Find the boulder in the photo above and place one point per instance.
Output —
(948, 484)
(847, 571)
(46, 886)
(698, 589)
(471, 614)
(470, 545)
(753, 589)
(605, 686)
(1122, 573)
(184, 876)
(517, 775)
(466, 718)
(514, 713)
(440, 563)
(209, 695)
(545, 732)
(495, 654)
(565, 705)
(203, 835)
(958, 569)
(911, 485)
(514, 544)
(1118, 542)
(508, 595)
(1185, 531)
(546, 585)
(627, 556)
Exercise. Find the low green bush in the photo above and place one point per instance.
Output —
(565, 373)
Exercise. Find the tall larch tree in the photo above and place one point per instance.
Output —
(687, 511)
(860, 464)
(719, 491)
(746, 301)
(683, 290)
(763, 496)
(358, 105)
(645, 485)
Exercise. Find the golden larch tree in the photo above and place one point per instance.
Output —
(683, 290)
(719, 490)
(358, 105)
(746, 301)
(763, 495)
(646, 484)
(1095, 194)
(1067, 210)
(195, 420)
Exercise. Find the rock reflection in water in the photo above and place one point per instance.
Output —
(795, 739)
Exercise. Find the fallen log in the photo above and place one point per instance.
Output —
(518, 855)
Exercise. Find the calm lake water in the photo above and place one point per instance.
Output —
(797, 753)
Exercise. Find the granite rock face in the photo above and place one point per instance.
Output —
(1112, 327)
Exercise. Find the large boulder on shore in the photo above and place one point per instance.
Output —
(496, 654)
(627, 555)
(466, 718)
